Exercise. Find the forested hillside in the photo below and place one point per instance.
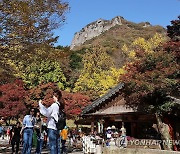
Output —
(110, 43)
(30, 63)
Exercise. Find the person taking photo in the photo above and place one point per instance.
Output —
(52, 114)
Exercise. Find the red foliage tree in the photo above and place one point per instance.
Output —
(174, 33)
(43, 92)
(150, 79)
(12, 99)
(148, 82)
(74, 102)
(173, 30)
(154, 76)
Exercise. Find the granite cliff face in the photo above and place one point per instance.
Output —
(94, 29)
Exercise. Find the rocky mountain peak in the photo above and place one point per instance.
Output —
(94, 29)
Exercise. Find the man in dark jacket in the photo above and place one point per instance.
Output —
(15, 137)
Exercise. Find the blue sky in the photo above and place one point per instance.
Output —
(83, 12)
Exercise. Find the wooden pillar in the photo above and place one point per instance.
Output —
(122, 123)
(102, 126)
(133, 129)
(99, 127)
(138, 131)
(92, 127)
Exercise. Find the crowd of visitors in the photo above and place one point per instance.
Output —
(39, 128)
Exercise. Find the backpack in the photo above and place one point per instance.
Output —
(61, 123)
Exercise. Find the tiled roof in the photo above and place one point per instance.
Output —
(102, 99)
(175, 100)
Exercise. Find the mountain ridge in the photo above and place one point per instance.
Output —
(100, 26)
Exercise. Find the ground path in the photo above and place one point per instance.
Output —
(5, 148)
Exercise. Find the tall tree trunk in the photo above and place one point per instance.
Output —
(164, 131)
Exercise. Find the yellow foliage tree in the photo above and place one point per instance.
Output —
(25, 27)
(146, 46)
(98, 74)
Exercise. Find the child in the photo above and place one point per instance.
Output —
(64, 134)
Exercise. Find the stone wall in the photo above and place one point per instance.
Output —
(116, 150)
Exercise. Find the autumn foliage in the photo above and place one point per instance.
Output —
(151, 78)
(74, 102)
(153, 74)
(43, 92)
(26, 41)
(173, 30)
(98, 74)
(12, 99)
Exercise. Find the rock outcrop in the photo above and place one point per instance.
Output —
(94, 29)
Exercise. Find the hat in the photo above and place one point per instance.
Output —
(113, 127)
(108, 128)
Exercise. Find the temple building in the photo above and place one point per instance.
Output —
(111, 110)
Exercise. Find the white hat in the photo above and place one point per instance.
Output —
(108, 128)
(113, 127)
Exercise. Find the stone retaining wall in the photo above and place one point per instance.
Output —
(116, 150)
